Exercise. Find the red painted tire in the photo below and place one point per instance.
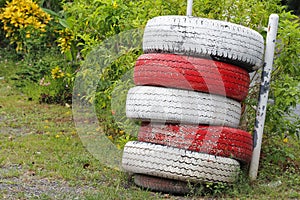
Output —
(159, 184)
(214, 140)
(192, 73)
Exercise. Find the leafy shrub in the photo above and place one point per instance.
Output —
(35, 35)
(101, 73)
(58, 87)
(93, 21)
(54, 5)
(49, 77)
(279, 155)
(293, 5)
(65, 40)
(3, 39)
(24, 23)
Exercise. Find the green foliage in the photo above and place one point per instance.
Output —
(39, 65)
(3, 40)
(285, 78)
(35, 77)
(279, 155)
(39, 52)
(293, 5)
(55, 5)
(2, 3)
(103, 77)
(24, 23)
(287, 55)
(93, 21)
(209, 189)
(58, 89)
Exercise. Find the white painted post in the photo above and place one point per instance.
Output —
(189, 9)
(263, 95)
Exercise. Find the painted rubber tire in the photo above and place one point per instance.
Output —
(149, 103)
(194, 36)
(178, 164)
(159, 184)
(214, 140)
(183, 72)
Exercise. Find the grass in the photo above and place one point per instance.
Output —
(39, 141)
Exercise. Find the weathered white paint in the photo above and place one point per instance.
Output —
(196, 36)
(178, 164)
(181, 106)
(263, 96)
(189, 8)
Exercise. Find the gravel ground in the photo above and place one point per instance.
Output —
(28, 186)
(14, 188)
(15, 183)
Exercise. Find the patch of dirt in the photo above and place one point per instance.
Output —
(28, 186)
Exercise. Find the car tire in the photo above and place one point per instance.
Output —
(178, 164)
(191, 73)
(213, 140)
(195, 36)
(159, 184)
(147, 103)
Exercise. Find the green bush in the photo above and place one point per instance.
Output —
(101, 72)
(93, 21)
(39, 81)
(58, 87)
(3, 40)
(24, 24)
(54, 5)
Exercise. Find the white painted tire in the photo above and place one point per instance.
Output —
(194, 36)
(178, 164)
(148, 103)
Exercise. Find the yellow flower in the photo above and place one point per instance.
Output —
(110, 137)
(115, 5)
(19, 15)
(73, 132)
(57, 73)
(68, 113)
(65, 40)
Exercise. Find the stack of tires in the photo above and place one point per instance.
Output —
(190, 83)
